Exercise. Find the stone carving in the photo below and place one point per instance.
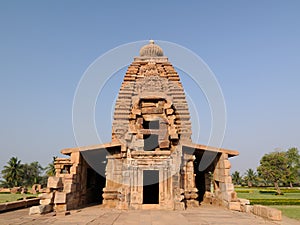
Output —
(153, 83)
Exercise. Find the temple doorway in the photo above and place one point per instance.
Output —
(150, 187)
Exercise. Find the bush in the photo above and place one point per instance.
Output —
(267, 191)
(242, 191)
(288, 190)
(275, 201)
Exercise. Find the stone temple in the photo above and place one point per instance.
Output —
(151, 161)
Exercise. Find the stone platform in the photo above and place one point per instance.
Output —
(94, 215)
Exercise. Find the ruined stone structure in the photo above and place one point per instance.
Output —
(151, 161)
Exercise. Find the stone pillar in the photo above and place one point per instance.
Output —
(190, 190)
(112, 191)
(223, 182)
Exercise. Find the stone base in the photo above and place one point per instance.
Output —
(246, 208)
(179, 206)
(236, 206)
(192, 203)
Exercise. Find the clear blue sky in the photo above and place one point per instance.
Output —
(253, 48)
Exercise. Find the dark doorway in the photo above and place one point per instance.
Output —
(200, 185)
(150, 142)
(94, 185)
(151, 187)
(151, 124)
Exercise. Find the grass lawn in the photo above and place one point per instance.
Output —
(13, 197)
(292, 211)
(254, 194)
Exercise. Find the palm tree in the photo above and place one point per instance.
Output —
(250, 177)
(12, 172)
(236, 178)
(50, 169)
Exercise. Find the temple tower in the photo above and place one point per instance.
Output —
(151, 161)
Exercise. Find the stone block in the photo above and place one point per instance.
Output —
(139, 136)
(244, 201)
(223, 179)
(225, 164)
(75, 157)
(128, 137)
(148, 104)
(167, 105)
(139, 143)
(234, 196)
(246, 208)
(55, 182)
(14, 190)
(169, 111)
(226, 187)
(46, 201)
(40, 209)
(274, 214)
(226, 196)
(174, 136)
(139, 120)
(69, 187)
(132, 129)
(152, 110)
(60, 208)
(60, 197)
(164, 144)
(236, 206)
(136, 111)
(267, 212)
(46, 195)
(5, 190)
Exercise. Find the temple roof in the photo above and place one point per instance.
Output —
(195, 147)
(151, 50)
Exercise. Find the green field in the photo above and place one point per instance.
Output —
(288, 203)
(253, 193)
(292, 211)
(14, 197)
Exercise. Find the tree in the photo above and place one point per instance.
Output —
(293, 162)
(50, 169)
(32, 174)
(236, 178)
(12, 173)
(273, 167)
(250, 177)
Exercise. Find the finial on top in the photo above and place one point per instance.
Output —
(151, 50)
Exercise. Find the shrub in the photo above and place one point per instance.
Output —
(288, 190)
(242, 191)
(267, 191)
(275, 201)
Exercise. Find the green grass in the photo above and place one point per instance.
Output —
(13, 197)
(257, 194)
(291, 211)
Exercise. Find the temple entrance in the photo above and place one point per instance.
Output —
(150, 187)
(95, 177)
(94, 186)
(200, 185)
